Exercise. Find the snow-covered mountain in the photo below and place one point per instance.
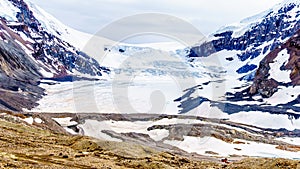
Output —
(244, 44)
(35, 46)
(54, 46)
(243, 50)
(279, 70)
(222, 69)
(241, 86)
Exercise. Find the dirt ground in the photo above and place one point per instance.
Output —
(28, 146)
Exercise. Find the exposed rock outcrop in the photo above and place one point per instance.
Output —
(274, 26)
(266, 86)
(19, 75)
(29, 52)
(251, 39)
(56, 55)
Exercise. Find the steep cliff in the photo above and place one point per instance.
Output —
(19, 73)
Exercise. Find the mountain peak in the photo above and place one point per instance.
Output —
(289, 7)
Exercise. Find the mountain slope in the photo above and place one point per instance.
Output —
(252, 39)
(279, 68)
(35, 46)
(239, 49)
(19, 74)
(260, 85)
(49, 42)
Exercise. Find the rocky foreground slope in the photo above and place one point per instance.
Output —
(29, 146)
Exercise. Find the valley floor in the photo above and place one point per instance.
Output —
(44, 145)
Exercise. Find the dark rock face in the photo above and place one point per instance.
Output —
(274, 28)
(52, 51)
(19, 77)
(265, 86)
(294, 60)
(23, 57)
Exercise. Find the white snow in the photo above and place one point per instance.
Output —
(28, 120)
(158, 135)
(166, 46)
(8, 10)
(38, 120)
(45, 73)
(266, 120)
(283, 95)
(275, 72)
(205, 110)
(91, 44)
(294, 141)
(25, 38)
(255, 118)
(127, 126)
(94, 129)
(200, 145)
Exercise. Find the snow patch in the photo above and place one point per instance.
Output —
(201, 145)
(8, 10)
(266, 120)
(28, 120)
(38, 120)
(127, 127)
(279, 61)
(283, 95)
(294, 141)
